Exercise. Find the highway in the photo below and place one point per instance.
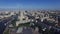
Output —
(5, 22)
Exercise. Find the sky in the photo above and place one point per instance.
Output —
(30, 4)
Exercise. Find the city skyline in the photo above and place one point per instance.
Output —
(30, 4)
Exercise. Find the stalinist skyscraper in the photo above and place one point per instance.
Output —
(21, 16)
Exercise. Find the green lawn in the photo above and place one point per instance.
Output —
(25, 24)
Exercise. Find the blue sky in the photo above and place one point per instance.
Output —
(30, 4)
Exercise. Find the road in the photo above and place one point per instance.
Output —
(4, 23)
